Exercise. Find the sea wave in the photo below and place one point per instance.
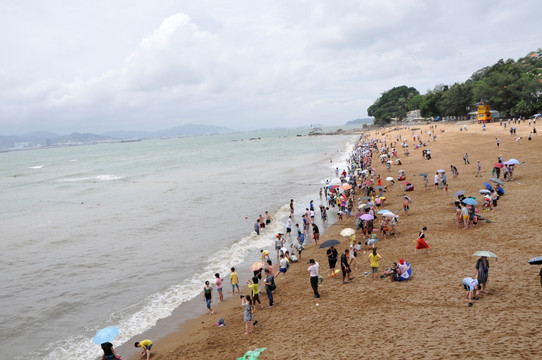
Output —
(144, 315)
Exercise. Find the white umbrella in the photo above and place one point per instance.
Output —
(348, 232)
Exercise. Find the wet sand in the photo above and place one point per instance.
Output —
(426, 316)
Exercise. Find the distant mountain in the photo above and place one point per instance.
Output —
(178, 131)
(360, 121)
(44, 138)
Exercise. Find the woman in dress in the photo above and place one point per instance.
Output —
(420, 242)
(482, 271)
(248, 314)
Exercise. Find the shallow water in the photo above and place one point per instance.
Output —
(123, 234)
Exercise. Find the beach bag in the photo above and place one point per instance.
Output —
(273, 286)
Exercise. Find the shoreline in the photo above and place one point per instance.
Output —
(429, 306)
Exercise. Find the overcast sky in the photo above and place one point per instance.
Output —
(95, 66)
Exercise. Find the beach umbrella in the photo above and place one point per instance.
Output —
(441, 170)
(390, 162)
(508, 163)
(406, 182)
(389, 178)
(105, 335)
(382, 212)
(488, 186)
(379, 187)
(257, 266)
(498, 165)
(470, 201)
(459, 192)
(498, 181)
(366, 198)
(484, 191)
(409, 199)
(367, 217)
(514, 161)
(484, 253)
(329, 243)
(347, 186)
(500, 190)
(348, 232)
(422, 174)
(536, 260)
(364, 171)
(404, 276)
(401, 171)
(389, 214)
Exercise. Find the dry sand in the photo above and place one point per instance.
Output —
(426, 316)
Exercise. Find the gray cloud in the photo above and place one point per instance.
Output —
(98, 66)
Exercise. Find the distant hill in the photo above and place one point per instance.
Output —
(361, 121)
(43, 138)
(178, 131)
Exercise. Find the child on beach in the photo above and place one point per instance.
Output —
(218, 283)
(255, 287)
(234, 280)
(248, 316)
(146, 345)
(208, 296)
(374, 259)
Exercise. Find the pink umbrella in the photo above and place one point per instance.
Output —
(347, 187)
(498, 165)
(367, 217)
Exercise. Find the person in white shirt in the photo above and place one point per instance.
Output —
(313, 272)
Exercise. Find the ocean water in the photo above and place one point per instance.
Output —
(122, 234)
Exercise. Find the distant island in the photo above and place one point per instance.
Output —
(42, 139)
(361, 121)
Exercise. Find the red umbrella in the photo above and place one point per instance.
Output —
(335, 187)
(498, 165)
(406, 182)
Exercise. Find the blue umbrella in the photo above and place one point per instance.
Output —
(488, 186)
(382, 212)
(105, 335)
(500, 189)
(422, 174)
(460, 192)
(514, 161)
(470, 201)
(379, 187)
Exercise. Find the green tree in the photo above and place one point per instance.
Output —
(392, 104)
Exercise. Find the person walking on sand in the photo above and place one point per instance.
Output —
(234, 280)
(420, 242)
(316, 234)
(345, 266)
(248, 315)
(471, 285)
(478, 168)
(332, 255)
(374, 259)
(146, 345)
(208, 296)
(289, 227)
(218, 283)
(466, 158)
(482, 272)
(313, 272)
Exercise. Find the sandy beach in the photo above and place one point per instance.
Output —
(426, 316)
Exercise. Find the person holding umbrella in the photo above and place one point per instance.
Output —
(109, 352)
(332, 255)
(482, 272)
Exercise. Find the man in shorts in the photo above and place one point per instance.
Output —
(234, 279)
(146, 345)
(471, 285)
(345, 266)
(283, 267)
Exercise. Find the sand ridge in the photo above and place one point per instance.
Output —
(426, 316)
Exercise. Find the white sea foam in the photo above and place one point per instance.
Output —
(36, 167)
(94, 178)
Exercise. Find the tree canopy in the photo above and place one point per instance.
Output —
(514, 88)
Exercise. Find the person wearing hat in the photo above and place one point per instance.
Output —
(402, 266)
